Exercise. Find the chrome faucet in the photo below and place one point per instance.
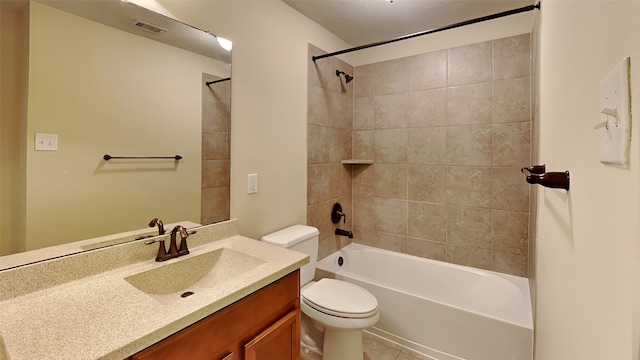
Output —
(174, 252)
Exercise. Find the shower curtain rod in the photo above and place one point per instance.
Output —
(448, 27)
(217, 81)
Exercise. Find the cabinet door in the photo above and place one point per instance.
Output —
(225, 332)
(279, 341)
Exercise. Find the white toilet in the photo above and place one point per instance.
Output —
(336, 308)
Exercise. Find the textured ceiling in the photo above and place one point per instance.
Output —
(360, 22)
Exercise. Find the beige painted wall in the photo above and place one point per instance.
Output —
(588, 252)
(126, 97)
(268, 106)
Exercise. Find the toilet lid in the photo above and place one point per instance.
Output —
(340, 298)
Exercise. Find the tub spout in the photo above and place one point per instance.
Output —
(346, 233)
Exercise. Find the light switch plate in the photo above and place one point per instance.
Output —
(46, 142)
(252, 183)
(615, 116)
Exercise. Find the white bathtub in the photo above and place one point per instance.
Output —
(441, 310)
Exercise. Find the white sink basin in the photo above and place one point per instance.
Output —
(182, 277)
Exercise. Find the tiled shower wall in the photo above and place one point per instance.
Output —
(216, 159)
(448, 132)
(329, 131)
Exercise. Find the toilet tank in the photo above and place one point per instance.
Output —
(301, 238)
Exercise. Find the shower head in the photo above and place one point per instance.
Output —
(347, 77)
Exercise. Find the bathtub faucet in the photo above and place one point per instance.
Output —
(346, 233)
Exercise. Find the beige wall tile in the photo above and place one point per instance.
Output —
(432, 145)
(364, 235)
(218, 92)
(469, 104)
(469, 186)
(391, 77)
(363, 113)
(391, 111)
(390, 181)
(216, 116)
(363, 180)
(215, 145)
(363, 217)
(469, 64)
(328, 246)
(427, 146)
(215, 173)
(340, 180)
(427, 221)
(428, 71)
(319, 216)
(318, 102)
(318, 145)
(511, 100)
(461, 255)
(510, 264)
(318, 73)
(510, 190)
(364, 81)
(390, 215)
(318, 183)
(510, 232)
(391, 146)
(363, 144)
(511, 144)
(339, 145)
(214, 205)
(338, 83)
(341, 111)
(393, 242)
(427, 108)
(511, 57)
(469, 145)
(469, 227)
(427, 249)
(427, 183)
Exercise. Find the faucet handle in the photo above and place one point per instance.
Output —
(535, 169)
(184, 234)
(336, 214)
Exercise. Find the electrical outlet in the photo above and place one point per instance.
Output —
(252, 183)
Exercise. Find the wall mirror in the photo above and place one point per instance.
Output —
(112, 77)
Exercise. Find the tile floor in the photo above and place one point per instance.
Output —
(378, 349)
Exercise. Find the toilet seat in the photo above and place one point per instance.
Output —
(340, 298)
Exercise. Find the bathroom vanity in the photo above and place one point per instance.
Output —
(264, 325)
(231, 298)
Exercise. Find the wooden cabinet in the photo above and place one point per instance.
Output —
(279, 341)
(262, 326)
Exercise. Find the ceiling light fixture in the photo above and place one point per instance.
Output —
(226, 44)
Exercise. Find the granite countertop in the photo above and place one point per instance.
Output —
(27, 257)
(97, 314)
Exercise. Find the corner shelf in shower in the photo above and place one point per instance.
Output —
(357, 162)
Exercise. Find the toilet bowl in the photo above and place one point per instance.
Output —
(334, 311)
